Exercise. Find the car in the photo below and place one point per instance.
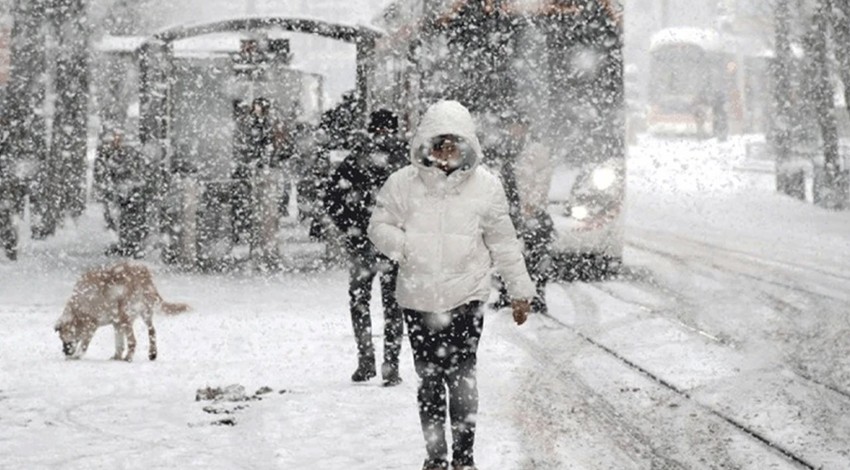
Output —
(586, 203)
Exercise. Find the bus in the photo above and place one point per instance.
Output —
(692, 81)
(559, 64)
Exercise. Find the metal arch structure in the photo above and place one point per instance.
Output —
(156, 55)
(158, 70)
(341, 32)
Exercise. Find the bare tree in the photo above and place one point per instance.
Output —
(68, 147)
(840, 14)
(782, 128)
(841, 30)
(58, 184)
(821, 96)
(23, 107)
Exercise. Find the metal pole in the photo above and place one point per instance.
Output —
(365, 51)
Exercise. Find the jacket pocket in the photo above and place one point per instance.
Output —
(419, 252)
(458, 253)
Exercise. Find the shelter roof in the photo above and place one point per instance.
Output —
(707, 39)
(335, 30)
(127, 44)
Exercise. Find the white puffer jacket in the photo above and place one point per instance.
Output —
(447, 232)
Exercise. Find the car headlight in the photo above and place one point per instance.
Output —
(579, 212)
(603, 178)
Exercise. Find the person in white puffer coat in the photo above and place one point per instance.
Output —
(445, 220)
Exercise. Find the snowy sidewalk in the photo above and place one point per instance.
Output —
(288, 332)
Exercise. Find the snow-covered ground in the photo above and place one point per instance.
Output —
(724, 345)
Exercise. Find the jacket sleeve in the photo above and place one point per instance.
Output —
(336, 190)
(386, 224)
(505, 249)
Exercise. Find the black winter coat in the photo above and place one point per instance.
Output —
(120, 172)
(12, 189)
(352, 188)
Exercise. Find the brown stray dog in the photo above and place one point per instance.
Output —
(113, 295)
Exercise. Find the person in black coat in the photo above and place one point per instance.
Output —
(122, 176)
(11, 197)
(313, 183)
(349, 199)
(254, 149)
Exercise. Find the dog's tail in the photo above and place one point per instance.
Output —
(169, 308)
(152, 294)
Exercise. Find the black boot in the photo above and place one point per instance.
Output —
(389, 372)
(435, 465)
(365, 368)
(363, 373)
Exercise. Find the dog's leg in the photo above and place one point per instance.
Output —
(126, 324)
(119, 341)
(151, 336)
(84, 345)
(88, 334)
(131, 340)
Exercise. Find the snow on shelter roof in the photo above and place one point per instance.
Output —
(167, 13)
(128, 44)
(200, 46)
(301, 24)
(217, 39)
(707, 39)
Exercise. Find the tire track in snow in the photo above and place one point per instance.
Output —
(740, 426)
(792, 312)
(798, 367)
(615, 426)
(742, 263)
(665, 313)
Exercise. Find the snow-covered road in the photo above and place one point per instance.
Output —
(723, 345)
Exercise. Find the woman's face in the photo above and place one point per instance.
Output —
(446, 152)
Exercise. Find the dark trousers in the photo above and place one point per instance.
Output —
(241, 210)
(538, 234)
(445, 350)
(361, 275)
(8, 233)
(132, 226)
